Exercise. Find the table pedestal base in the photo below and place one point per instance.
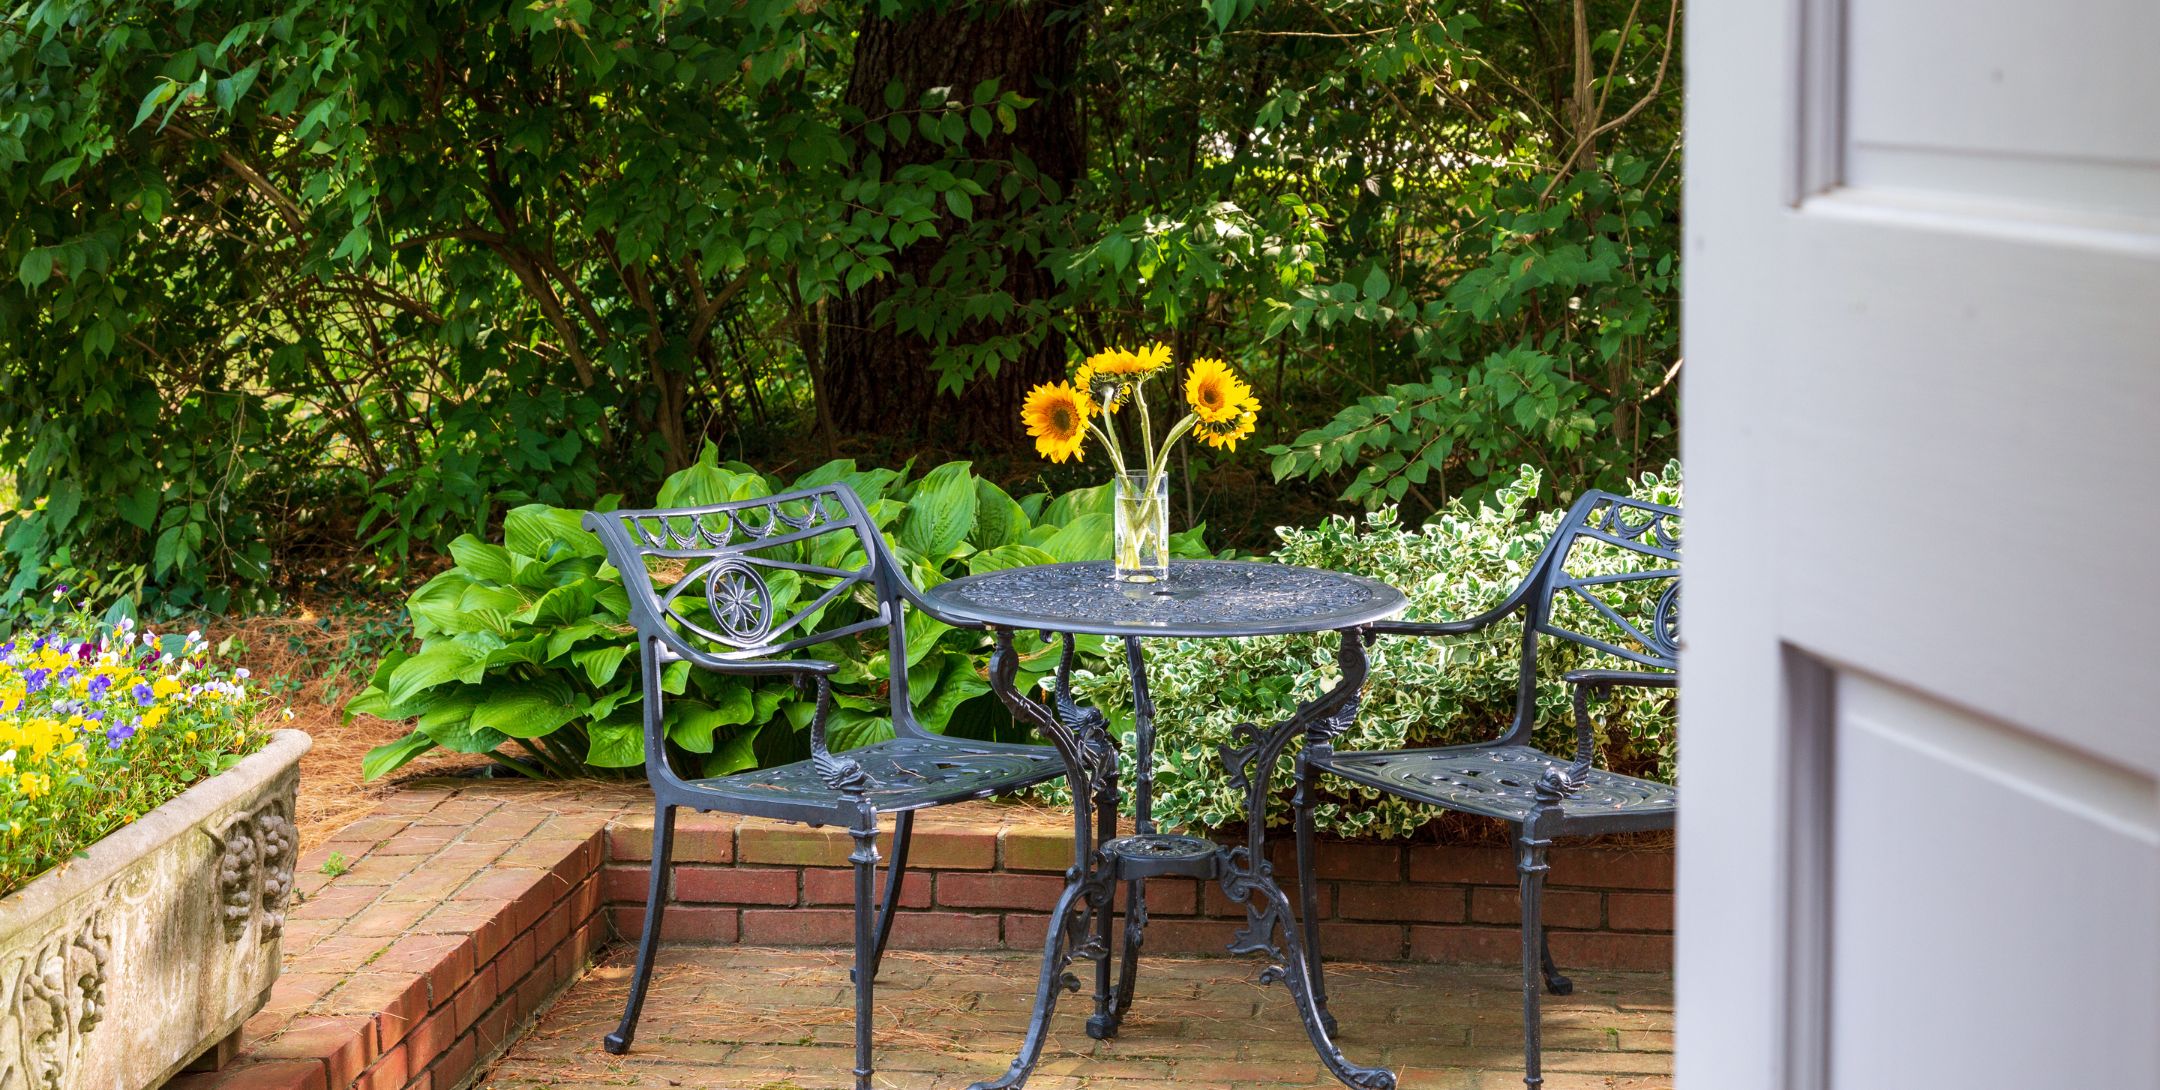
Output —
(1080, 924)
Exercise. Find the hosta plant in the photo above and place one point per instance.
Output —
(527, 653)
(1422, 691)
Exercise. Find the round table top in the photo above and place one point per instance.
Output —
(1200, 598)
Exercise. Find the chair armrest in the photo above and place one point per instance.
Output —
(1583, 682)
(1607, 679)
(1447, 628)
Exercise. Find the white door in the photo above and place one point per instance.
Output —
(1920, 830)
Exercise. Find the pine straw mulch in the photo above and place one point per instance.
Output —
(304, 647)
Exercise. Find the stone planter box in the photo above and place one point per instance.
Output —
(122, 967)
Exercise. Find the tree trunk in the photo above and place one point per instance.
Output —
(876, 380)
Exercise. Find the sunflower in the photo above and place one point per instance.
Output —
(1056, 414)
(1224, 434)
(1106, 390)
(1126, 364)
(1216, 395)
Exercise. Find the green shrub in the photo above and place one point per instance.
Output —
(1421, 691)
(529, 641)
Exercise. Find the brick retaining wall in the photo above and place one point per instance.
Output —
(463, 906)
(984, 877)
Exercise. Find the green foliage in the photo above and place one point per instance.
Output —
(529, 641)
(286, 280)
(1422, 691)
(271, 266)
(101, 724)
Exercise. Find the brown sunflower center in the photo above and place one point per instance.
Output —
(1061, 419)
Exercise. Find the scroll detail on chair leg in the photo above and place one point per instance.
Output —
(663, 849)
(1530, 863)
(1555, 984)
(895, 874)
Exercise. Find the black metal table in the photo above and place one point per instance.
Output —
(1207, 599)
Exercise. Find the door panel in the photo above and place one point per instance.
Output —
(2051, 107)
(1962, 869)
(1922, 333)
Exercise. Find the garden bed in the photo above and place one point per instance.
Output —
(150, 948)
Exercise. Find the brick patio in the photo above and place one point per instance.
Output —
(427, 936)
(767, 1018)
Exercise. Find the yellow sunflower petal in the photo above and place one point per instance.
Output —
(1215, 394)
(1056, 414)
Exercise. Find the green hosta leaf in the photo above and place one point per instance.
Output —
(1007, 556)
(849, 728)
(538, 530)
(734, 753)
(615, 743)
(956, 683)
(563, 639)
(940, 513)
(1094, 500)
(691, 723)
(391, 756)
(601, 663)
(533, 650)
(527, 709)
(706, 483)
(604, 705)
(923, 631)
(998, 519)
(1084, 538)
(481, 560)
(560, 606)
(437, 608)
(451, 726)
(441, 662)
(371, 701)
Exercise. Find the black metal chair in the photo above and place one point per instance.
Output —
(1542, 795)
(701, 583)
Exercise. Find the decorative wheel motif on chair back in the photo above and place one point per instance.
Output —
(739, 601)
(1615, 580)
(755, 577)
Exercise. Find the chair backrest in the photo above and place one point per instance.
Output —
(1608, 579)
(760, 579)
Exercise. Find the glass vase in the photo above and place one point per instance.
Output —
(1141, 527)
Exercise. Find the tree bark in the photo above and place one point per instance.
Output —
(876, 380)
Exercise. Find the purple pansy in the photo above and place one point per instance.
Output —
(144, 695)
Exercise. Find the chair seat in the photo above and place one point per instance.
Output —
(905, 773)
(1501, 782)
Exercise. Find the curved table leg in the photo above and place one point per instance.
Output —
(1082, 902)
(1250, 878)
(1079, 925)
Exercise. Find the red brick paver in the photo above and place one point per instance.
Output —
(756, 1018)
(460, 907)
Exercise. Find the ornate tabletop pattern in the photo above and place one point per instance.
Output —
(1200, 598)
